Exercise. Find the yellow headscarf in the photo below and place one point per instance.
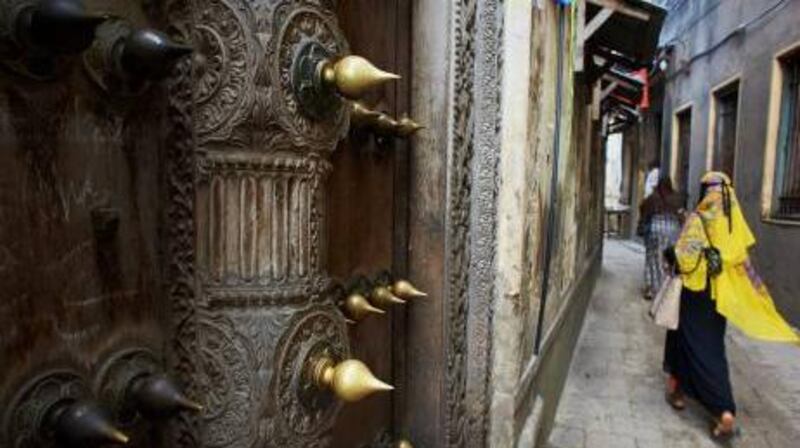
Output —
(740, 294)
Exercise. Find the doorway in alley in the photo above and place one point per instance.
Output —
(680, 172)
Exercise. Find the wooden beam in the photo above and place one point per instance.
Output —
(628, 110)
(580, 32)
(610, 88)
(617, 81)
(622, 8)
(597, 21)
(596, 100)
(596, 71)
(617, 58)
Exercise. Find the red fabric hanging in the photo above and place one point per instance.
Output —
(645, 77)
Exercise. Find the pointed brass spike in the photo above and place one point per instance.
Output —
(118, 437)
(405, 290)
(61, 26)
(83, 424)
(358, 307)
(189, 405)
(385, 125)
(150, 54)
(407, 127)
(349, 380)
(176, 50)
(381, 296)
(353, 76)
(361, 115)
(157, 396)
(404, 444)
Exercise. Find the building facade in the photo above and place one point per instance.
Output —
(730, 102)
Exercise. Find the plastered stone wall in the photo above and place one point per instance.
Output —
(528, 118)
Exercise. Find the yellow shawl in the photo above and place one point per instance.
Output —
(740, 294)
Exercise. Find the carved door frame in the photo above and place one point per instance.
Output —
(461, 325)
(244, 174)
(456, 228)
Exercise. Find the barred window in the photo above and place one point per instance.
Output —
(788, 155)
(726, 102)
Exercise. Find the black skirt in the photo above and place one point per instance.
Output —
(695, 353)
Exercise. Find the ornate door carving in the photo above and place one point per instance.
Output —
(262, 308)
(166, 239)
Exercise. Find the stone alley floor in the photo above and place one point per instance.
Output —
(614, 396)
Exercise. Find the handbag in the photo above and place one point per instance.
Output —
(713, 257)
(713, 260)
(666, 308)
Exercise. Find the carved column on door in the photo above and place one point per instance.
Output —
(262, 305)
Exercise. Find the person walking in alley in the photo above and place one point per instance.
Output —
(652, 178)
(719, 285)
(659, 216)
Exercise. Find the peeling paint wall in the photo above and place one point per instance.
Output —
(524, 396)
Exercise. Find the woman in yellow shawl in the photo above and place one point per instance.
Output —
(694, 355)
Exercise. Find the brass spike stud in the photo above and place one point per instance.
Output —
(407, 127)
(404, 289)
(61, 26)
(349, 380)
(357, 307)
(361, 115)
(403, 443)
(82, 424)
(381, 296)
(353, 76)
(150, 54)
(157, 396)
(385, 125)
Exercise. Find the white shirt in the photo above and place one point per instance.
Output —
(651, 181)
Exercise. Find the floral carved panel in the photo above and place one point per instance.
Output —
(260, 305)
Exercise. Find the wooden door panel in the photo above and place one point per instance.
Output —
(201, 220)
(79, 230)
(79, 223)
(365, 192)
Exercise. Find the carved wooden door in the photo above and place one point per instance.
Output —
(84, 331)
(293, 214)
(199, 227)
(368, 213)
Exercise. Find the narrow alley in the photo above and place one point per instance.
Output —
(614, 397)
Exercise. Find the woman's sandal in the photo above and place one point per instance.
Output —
(675, 399)
(723, 430)
(673, 395)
